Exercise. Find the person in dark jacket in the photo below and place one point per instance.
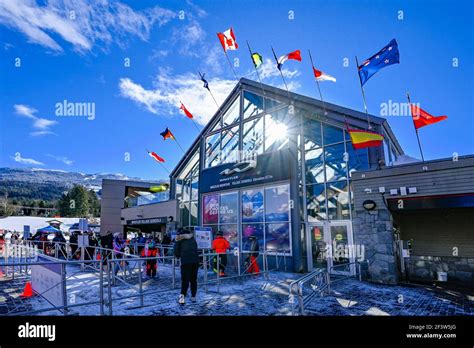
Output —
(185, 248)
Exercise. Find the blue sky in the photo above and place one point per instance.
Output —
(79, 57)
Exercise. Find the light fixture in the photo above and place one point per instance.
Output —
(369, 204)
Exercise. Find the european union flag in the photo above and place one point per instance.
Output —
(386, 56)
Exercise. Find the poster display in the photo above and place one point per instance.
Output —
(210, 209)
(203, 236)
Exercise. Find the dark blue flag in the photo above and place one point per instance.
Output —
(386, 56)
(206, 84)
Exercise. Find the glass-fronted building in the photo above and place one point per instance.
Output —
(277, 165)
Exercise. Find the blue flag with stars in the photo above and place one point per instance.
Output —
(386, 56)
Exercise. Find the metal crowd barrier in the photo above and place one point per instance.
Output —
(320, 283)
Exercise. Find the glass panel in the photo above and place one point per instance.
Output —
(249, 230)
(213, 143)
(194, 189)
(231, 233)
(228, 207)
(271, 104)
(358, 160)
(230, 145)
(186, 190)
(192, 163)
(316, 202)
(184, 212)
(314, 166)
(253, 104)
(339, 245)
(194, 213)
(179, 188)
(210, 209)
(338, 200)
(277, 237)
(276, 130)
(312, 134)
(332, 134)
(318, 247)
(335, 165)
(252, 205)
(277, 203)
(252, 139)
(232, 114)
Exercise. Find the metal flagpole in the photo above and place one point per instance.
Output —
(231, 66)
(363, 94)
(283, 78)
(161, 164)
(178, 144)
(256, 70)
(317, 83)
(416, 130)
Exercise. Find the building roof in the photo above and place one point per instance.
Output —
(336, 113)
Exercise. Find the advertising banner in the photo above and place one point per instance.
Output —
(203, 237)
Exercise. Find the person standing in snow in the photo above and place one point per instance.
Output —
(185, 248)
(220, 245)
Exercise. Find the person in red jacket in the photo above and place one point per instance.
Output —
(220, 245)
(151, 265)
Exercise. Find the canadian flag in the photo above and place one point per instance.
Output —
(296, 55)
(320, 76)
(155, 156)
(227, 39)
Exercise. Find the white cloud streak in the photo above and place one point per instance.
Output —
(28, 161)
(41, 125)
(62, 159)
(81, 23)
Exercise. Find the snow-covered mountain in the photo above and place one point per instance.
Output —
(15, 180)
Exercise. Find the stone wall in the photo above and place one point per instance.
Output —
(426, 268)
(374, 230)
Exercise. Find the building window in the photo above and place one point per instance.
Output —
(276, 130)
(253, 104)
(265, 213)
(252, 138)
(230, 145)
(213, 150)
(232, 114)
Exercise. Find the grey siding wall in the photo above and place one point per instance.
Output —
(168, 208)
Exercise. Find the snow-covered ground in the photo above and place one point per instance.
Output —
(16, 223)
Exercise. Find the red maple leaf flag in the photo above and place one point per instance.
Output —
(155, 156)
(421, 118)
(186, 111)
(227, 39)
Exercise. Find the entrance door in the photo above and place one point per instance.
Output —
(332, 247)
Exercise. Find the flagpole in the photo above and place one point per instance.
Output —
(317, 83)
(256, 70)
(282, 77)
(161, 164)
(416, 130)
(179, 145)
(212, 95)
(363, 94)
(355, 150)
(228, 60)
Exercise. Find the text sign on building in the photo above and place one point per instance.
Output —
(158, 220)
(203, 236)
(265, 168)
(47, 280)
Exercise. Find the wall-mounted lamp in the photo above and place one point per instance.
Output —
(369, 204)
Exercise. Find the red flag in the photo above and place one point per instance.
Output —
(227, 39)
(186, 111)
(421, 118)
(155, 156)
(295, 55)
(321, 76)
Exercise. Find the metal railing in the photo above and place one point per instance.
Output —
(320, 283)
(126, 269)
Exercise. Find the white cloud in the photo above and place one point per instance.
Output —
(42, 125)
(168, 90)
(80, 22)
(269, 69)
(62, 159)
(40, 133)
(30, 161)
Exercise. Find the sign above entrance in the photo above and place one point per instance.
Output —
(265, 168)
(157, 220)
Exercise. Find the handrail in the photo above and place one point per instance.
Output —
(323, 277)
